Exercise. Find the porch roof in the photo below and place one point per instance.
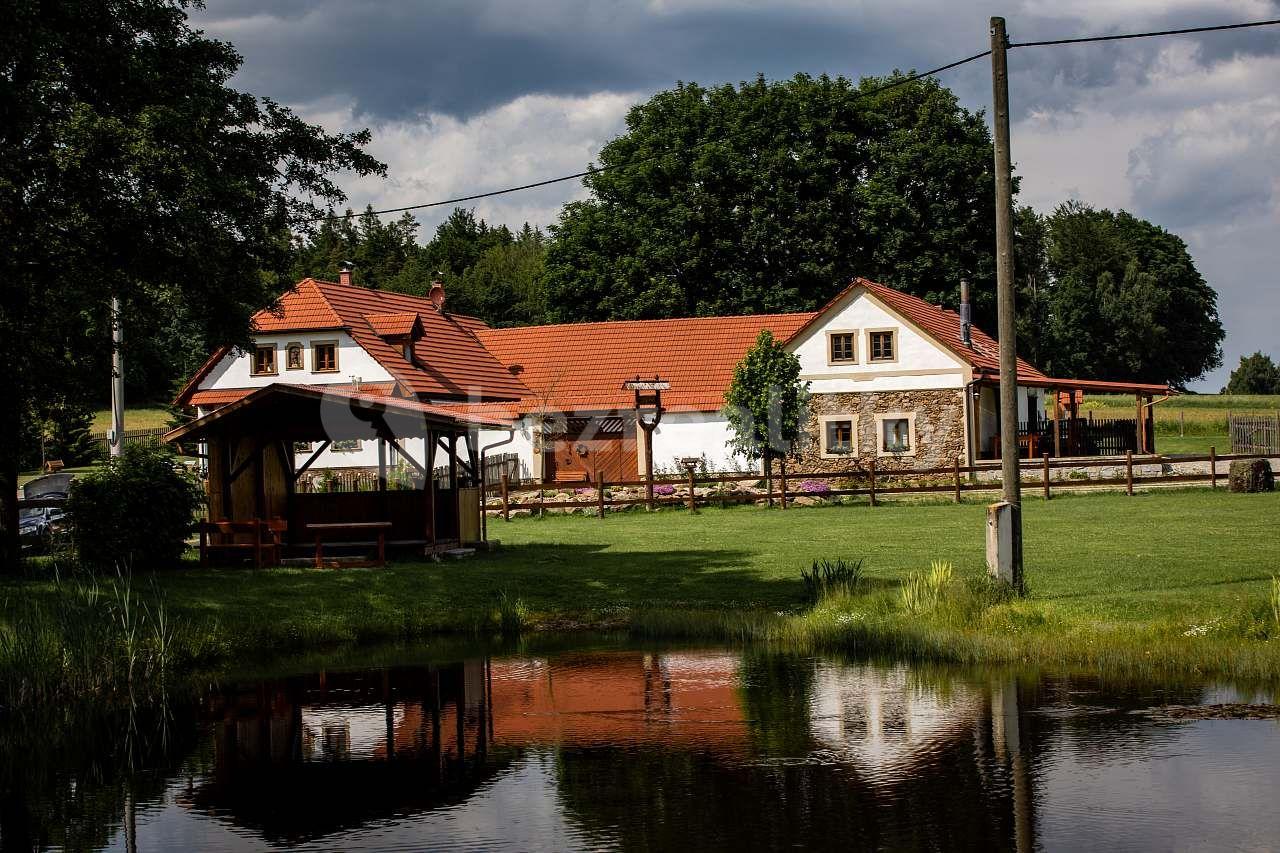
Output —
(311, 412)
(1096, 386)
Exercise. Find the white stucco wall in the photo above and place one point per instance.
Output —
(921, 362)
(521, 445)
(235, 370)
(686, 434)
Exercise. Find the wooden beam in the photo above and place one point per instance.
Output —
(324, 445)
(248, 460)
(407, 458)
(429, 474)
(382, 464)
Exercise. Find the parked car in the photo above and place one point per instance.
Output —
(38, 525)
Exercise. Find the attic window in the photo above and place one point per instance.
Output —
(264, 360)
(842, 347)
(324, 357)
(407, 350)
(883, 345)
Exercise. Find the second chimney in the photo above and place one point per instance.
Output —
(966, 315)
(437, 295)
(344, 273)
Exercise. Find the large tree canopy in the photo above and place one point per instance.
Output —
(130, 168)
(1257, 374)
(767, 196)
(1106, 295)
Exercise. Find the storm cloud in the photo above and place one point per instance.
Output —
(470, 96)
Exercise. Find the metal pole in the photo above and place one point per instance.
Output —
(115, 441)
(1007, 318)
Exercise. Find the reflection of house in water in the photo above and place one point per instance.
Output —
(308, 756)
(620, 699)
(880, 719)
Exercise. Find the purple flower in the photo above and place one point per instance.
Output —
(583, 492)
(664, 489)
(815, 487)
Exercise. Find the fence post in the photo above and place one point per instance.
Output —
(600, 493)
(1128, 472)
(692, 500)
(1213, 467)
(1046, 476)
(955, 466)
(872, 468)
(723, 497)
(541, 511)
(782, 480)
(506, 503)
(648, 487)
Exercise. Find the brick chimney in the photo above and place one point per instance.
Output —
(344, 273)
(437, 295)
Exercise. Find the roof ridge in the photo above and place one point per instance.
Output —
(397, 294)
(586, 323)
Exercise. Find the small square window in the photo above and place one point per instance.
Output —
(264, 360)
(883, 345)
(324, 358)
(346, 445)
(844, 347)
(895, 435)
(839, 437)
(293, 357)
(302, 447)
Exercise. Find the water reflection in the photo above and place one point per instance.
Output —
(645, 749)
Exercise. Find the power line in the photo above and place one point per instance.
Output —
(902, 81)
(1153, 34)
(910, 78)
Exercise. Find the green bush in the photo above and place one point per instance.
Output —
(134, 513)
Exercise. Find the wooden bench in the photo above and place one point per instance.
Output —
(261, 539)
(378, 527)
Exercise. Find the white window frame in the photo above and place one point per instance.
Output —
(897, 339)
(823, 420)
(832, 333)
(910, 418)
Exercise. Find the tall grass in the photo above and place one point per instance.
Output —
(93, 637)
(830, 577)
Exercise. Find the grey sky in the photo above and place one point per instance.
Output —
(467, 96)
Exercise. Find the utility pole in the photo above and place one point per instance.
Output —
(115, 439)
(1004, 519)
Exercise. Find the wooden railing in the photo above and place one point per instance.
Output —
(954, 481)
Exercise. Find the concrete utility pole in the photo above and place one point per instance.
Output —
(1004, 519)
(115, 440)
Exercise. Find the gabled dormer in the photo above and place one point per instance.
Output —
(400, 329)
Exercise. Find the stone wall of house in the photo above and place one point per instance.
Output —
(939, 429)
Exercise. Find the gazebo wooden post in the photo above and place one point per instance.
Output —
(1057, 423)
(430, 486)
(600, 493)
(382, 464)
(1138, 424)
(453, 482)
(259, 482)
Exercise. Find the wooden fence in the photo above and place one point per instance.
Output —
(495, 467)
(953, 481)
(146, 437)
(1254, 433)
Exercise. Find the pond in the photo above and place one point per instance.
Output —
(599, 744)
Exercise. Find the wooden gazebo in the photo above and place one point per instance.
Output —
(252, 474)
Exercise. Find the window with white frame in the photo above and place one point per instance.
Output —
(839, 435)
(896, 434)
(842, 347)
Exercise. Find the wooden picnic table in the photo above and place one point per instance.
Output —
(378, 527)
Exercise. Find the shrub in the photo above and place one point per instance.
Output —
(826, 577)
(135, 512)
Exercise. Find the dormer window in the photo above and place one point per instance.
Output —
(293, 357)
(324, 357)
(407, 350)
(264, 360)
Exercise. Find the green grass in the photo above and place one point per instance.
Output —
(1115, 582)
(144, 417)
(1192, 444)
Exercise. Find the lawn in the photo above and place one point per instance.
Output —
(1192, 415)
(144, 417)
(1113, 581)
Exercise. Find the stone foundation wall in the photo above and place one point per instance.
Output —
(939, 429)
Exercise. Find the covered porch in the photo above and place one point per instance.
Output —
(1052, 423)
(253, 471)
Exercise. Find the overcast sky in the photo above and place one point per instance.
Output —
(477, 95)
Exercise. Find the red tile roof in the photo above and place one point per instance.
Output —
(400, 324)
(581, 366)
(222, 396)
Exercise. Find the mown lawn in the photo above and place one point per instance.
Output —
(1105, 557)
(1179, 581)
